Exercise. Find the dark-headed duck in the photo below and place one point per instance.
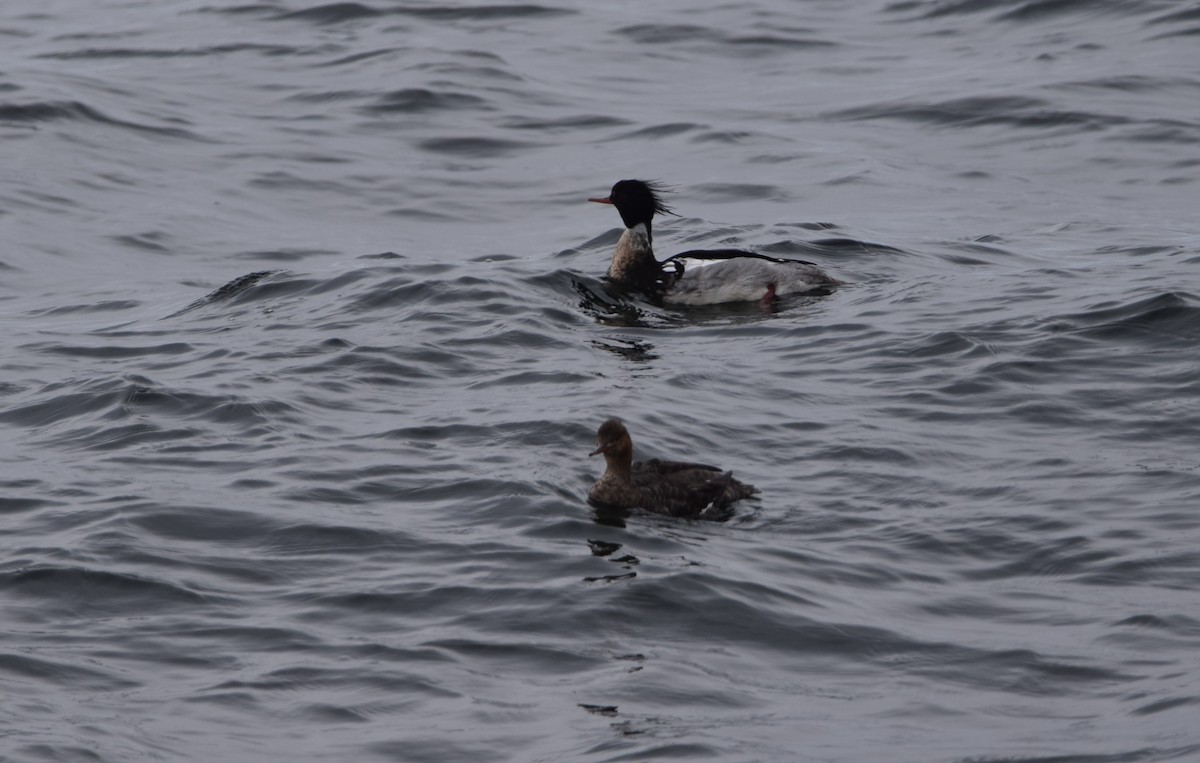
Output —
(677, 489)
(699, 276)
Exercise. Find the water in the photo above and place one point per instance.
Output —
(335, 510)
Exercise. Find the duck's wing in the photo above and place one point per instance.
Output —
(677, 499)
(668, 468)
(700, 257)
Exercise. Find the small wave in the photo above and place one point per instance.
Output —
(475, 147)
(418, 100)
(332, 13)
(738, 192)
(72, 677)
(201, 52)
(659, 131)
(562, 124)
(659, 34)
(979, 111)
(50, 111)
(234, 288)
(1017, 10)
(337, 13)
(88, 593)
(1168, 318)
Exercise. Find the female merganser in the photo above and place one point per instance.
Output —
(700, 276)
(673, 488)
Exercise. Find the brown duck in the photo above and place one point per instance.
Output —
(674, 488)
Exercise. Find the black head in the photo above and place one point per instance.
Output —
(638, 201)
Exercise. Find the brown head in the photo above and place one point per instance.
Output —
(612, 439)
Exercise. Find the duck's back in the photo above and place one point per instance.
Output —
(706, 277)
(685, 489)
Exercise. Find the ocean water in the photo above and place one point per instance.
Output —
(304, 339)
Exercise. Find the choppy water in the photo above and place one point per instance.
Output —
(335, 512)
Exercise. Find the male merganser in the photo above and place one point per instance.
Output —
(700, 276)
(677, 489)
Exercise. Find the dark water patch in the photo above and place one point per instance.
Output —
(434, 747)
(983, 111)
(1019, 10)
(389, 367)
(1189, 32)
(357, 57)
(79, 592)
(332, 13)
(777, 41)
(1162, 705)
(563, 124)
(253, 638)
(1178, 625)
(1163, 320)
(955, 344)
(336, 13)
(275, 255)
(530, 378)
(472, 75)
(421, 213)
(312, 539)
(213, 50)
(227, 292)
(1058, 557)
(474, 147)
(293, 678)
(1177, 570)
(330, 96)
(518, 656)
(229, 527)
(112, 351)
(75, 676)
(290, 181)
(52, 111)
(1130, 83)
(246, 9)
(1038, 10)
(1142, 250)
(12, 505)
(95, 307)
(419, 100)
(659, 131)
(661, 34)
(151, 241)
(739, 192)
(1176, 16)
(111, 438)
(484, 12)
(1161, 131)
(1142, 755)
(67, 400)
(1018, 671)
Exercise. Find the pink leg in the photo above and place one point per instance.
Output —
(768, 299)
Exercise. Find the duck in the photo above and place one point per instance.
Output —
(699, 276)
(672, 488)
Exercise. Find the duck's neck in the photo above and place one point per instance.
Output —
(634, 258)
(619, 466)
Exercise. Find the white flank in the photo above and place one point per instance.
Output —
(742, 279)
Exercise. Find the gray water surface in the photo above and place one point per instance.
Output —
(335, 510)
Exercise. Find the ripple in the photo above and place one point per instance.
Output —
(50, 111)
(980, 111)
